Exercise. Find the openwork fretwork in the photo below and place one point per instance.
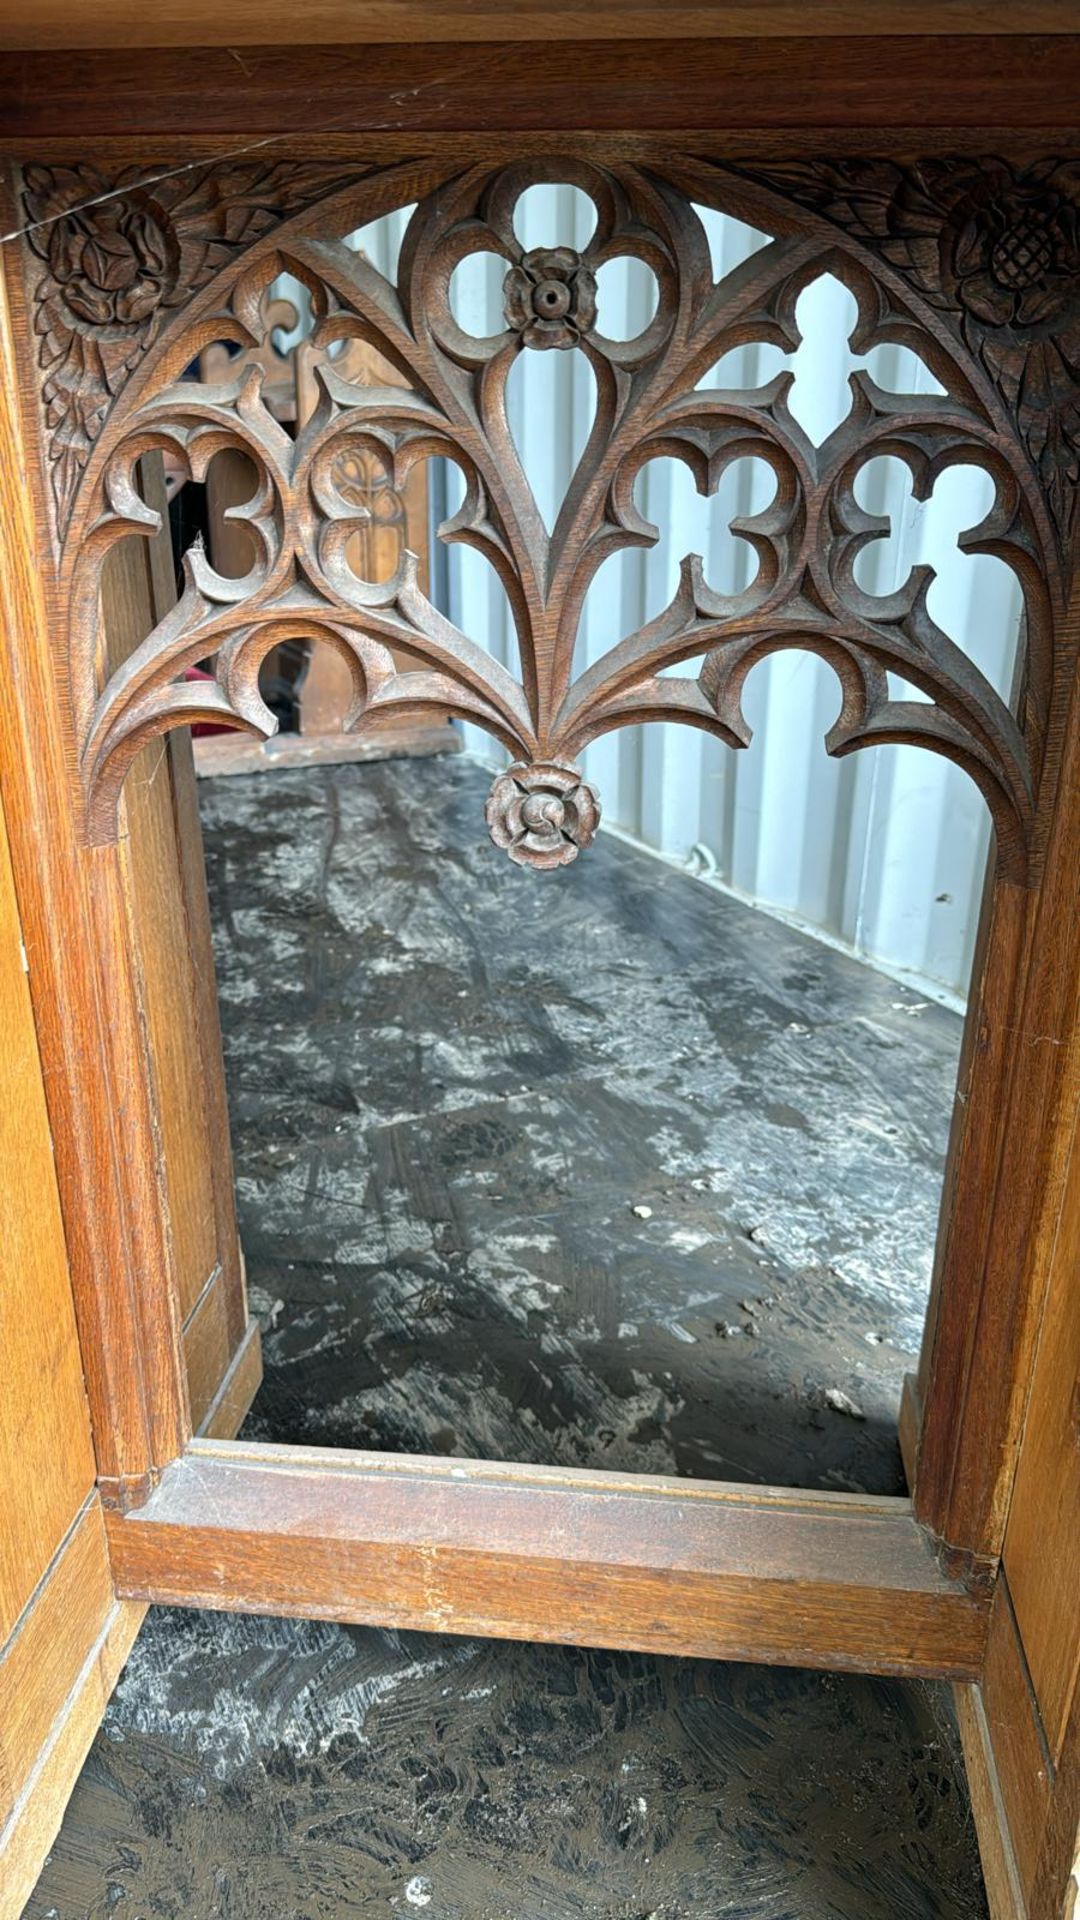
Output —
(306, 507)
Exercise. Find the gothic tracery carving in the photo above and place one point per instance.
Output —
(121, 255)
(996, 247)
(119, 283)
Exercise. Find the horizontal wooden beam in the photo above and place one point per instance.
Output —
(723, 87)
(178, 23)
(239, 753)
(531, 1553)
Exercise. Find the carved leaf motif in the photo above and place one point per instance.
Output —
(995, 249)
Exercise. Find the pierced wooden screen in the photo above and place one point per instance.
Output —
(963, 266)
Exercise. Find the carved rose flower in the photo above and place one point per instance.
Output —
(1001, 244)
(1014, 253)
(112, 262)
(543, 815)
(550, 297)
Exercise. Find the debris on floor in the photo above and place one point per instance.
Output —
(290, 1770)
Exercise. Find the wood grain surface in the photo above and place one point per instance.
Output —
(528, 1553)
(57, 24)
(45, 1453)
(56, 1675)
(800, 84)
(51, 883)
(1004, 1893)
(1042, 1541)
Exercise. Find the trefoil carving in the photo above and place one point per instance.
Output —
(118, 281)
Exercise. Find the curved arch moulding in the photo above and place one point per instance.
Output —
(130, 290)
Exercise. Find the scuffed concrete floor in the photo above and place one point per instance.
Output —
(452, 1082)
(451, 1085)
(276, 1770)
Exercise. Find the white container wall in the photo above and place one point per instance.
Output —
(883, 852)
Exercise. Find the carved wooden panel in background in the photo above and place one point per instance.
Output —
(968, 268)
(397, 519)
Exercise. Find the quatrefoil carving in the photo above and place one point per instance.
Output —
(304, 512)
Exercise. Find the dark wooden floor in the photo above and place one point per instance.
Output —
(452, 1084)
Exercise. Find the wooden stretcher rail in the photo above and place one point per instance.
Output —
(529, 1553)
(868, 82)
(126, 23)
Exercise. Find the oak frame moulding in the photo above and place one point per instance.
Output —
(814, 141)
(617, 1560)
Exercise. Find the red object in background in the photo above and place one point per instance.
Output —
(203, 728)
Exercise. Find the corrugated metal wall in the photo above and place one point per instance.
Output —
(884, 851)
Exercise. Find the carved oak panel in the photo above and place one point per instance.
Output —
(972, 265)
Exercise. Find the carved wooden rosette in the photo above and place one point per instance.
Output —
(117, 279)
(542, 815)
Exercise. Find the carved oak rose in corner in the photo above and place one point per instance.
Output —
(113, 263)
(112, 266)
(1006, 257)
(550, 297)
(543, 815)
(116, 256)
(1009, 246)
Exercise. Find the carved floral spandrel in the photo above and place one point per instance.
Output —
(123, 255)
(302, 517)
